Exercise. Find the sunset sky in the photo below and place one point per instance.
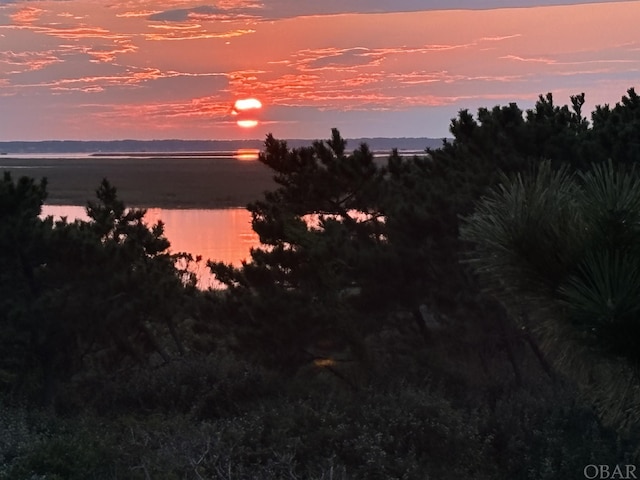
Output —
(158, 69)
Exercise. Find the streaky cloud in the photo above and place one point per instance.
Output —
(281, 9)
(275, 9)
(183, 14)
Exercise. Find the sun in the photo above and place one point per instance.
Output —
(247, 123)
(244, 104)
(247, 110)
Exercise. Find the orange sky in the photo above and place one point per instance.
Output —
(152, 69)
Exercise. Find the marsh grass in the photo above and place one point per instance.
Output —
(149, 182)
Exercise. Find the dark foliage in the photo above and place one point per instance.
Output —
(322, 236)
(84, 296)
(354, 343)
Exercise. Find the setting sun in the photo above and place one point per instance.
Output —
(246, 104)
(247, 123)
(247, 111)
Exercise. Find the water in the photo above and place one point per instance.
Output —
(238, 154)
(215, 234)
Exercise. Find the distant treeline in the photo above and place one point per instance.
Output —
(132, 146)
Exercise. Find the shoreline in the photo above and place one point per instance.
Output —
(168, 205)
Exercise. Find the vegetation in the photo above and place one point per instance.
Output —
(563, 248)
(467, 313)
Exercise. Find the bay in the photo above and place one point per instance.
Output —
(219, 234)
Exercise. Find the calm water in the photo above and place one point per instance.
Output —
(215, 234)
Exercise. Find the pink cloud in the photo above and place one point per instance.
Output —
(548, 61)
(28, 61)
(26, 15)
(198, 114)
(194, 34)
(99, 83)
(80, 32)
(107, 54)
(136, 14)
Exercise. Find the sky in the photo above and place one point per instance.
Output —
(159, 69)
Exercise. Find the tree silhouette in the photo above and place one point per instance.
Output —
(81, 296)
(320, 230)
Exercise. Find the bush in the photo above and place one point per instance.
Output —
(34, 445)
(207, 386)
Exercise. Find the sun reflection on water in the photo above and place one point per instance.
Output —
(247, 154)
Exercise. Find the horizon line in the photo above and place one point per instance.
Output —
(212, 139)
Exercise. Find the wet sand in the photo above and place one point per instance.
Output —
(164, 182)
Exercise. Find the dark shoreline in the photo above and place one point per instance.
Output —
(162, 182)
(175, 155)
